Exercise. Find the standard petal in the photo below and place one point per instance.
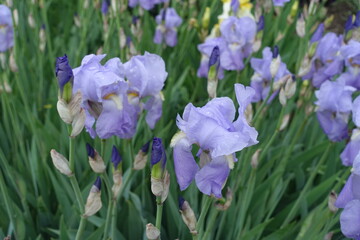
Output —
(346, 194)
(350, 219)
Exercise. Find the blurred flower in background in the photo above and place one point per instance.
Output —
(6, 29)
(168, 20)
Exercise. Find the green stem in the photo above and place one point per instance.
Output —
(204, 210)
(81, 228)
(158, 213)
(110, 206)
(306, 187)
(77, 192)
(210, 226)
(102, 149)
(71, 150)
(113, 219)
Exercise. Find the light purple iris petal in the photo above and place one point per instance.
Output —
(154, 108)
(280, 3)
(334, 125)
(238, 30)
(350, 79)
(115, 65)
(146, 74)
(350, 219)
(231, 58)
(210, 132)
(147, 4)
(356, 111)
(89, 123)
(244, 95)
(158, 37)
(262, 66)
(318, 33)
(345, 195)
(171, 37)
(328, 47)
(335, 97)
(133, 3)
(351, 53)
(6, 29)
(351, 150)
(184, 163)
(117, 120)
(235, 4)
(211, 178)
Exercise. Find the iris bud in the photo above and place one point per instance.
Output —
(93, 202)
(95, 160)
(61, 163)
(188, 215)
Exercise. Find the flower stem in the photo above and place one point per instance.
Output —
(158, 213)
(81, 228)
(204, 210)
(76, 188)
(110, 206)
(71, 151)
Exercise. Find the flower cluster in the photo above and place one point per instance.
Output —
(268, 70)
(146, 4)
(6, 29)
(112, 103)
(219, 137)
(168, 20)
(235, 42)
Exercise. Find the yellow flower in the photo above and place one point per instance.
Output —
(245, 5)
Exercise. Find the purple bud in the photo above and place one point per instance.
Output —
(63, 71)
(349, 23)
(275, 51)
(90, 150)
(145, 148)
(181, 202)
(128, 40)
(115, 157)
(163, 16)
(357, 20)
(97, 183)
(135, 19)
(318, 33)
(158, 152)
(214, 57)
(260, 24)
(105, 6)
(43, 26)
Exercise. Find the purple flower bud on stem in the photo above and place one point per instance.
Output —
(98, 183)
(275, 51)
(90, 150)
(145, 148)
(349, 23)
(64, 75)
(357, 20)
(318, 33)
(181, 202)
(115, 157)
(158, 159)
(215, 57)
(105, 6)
(260, 24)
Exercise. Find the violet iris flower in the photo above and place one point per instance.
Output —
(104, 94)
(6, 29)
(105, 6)
(235, 44)
(327, 61)
(280, 3)
(334, 107)
(168, 20)
(349, 199)
(261, 80)
(351, 55)
(352, 148)
(146, 4)
(219, 137)
(146, 75)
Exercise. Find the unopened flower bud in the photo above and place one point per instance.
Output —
(223, 206)
(255, 159)
(42, 38)
(64, 111)
(214, 63)
(77, 20)
(117, 172)
(300, 26)
(305, 66)
(78, 123)
(65, 77)
(13, 65)
(331, 202)
(284, 122)
(249, 112)
(61, 163)
(158, 159)
(290, 87)
(160, 187)
(31, 21)
(95, 160)
(282, 97)
(187, 215)
(206, 18)
(141, 157)
(275, 63)
(93, 202)
(152, 233)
